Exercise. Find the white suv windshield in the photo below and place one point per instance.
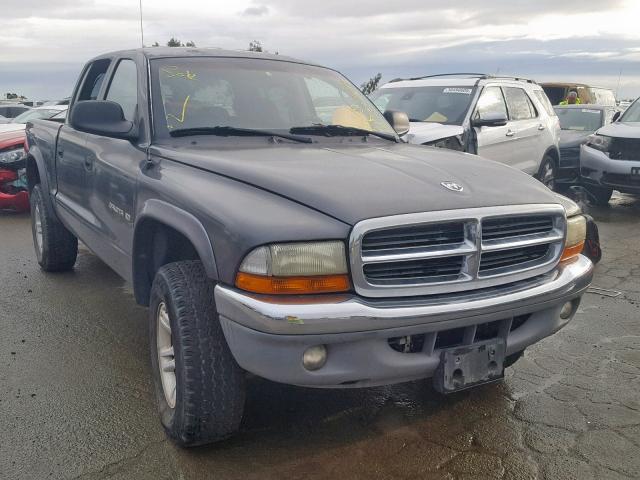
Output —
(632, 114)
(448, 105)
(202, 92)
(580, 119)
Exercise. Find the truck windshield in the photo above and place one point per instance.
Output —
(579, 119)
(247, 93)
(448, 105)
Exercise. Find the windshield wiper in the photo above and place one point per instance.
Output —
(337, 130)
(227, 131)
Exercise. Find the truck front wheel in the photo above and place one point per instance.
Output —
(56, 247)
(199, 386)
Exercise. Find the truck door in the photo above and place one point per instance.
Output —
(72, 167)
(114, 165)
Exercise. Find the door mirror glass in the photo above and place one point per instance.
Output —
(398, 120)
(490, 119)
(101, 117)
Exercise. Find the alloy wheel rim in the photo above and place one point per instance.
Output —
(166, 357)
(37, 220)
(548, 178)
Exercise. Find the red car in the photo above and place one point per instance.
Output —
(13, 187)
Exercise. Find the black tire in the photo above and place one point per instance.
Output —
(56, 247)
(599, 195)
(209, 384)
(548, 172)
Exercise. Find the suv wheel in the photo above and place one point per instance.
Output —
(547, 172)
(56, 247)
(199, 386)
(600, 195)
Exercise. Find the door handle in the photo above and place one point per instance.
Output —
(510, 133)
(88, 162)
(60, 153)
(541, 127)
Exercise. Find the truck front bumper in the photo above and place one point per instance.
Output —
(596, 168)
(366, 339)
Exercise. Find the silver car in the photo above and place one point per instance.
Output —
(506, 119)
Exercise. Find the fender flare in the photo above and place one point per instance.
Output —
(34, 157)
(185, 223)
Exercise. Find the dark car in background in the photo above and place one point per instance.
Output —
(610, 159)
(12, 110)
(578, 122)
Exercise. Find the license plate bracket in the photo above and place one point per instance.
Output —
(467, 366)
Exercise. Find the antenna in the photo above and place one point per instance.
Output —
(618, 86)
(141, 29)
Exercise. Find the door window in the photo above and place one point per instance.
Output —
(491, 102)
(92, 80)
(544, 100)
(519, 104)
(124, 87)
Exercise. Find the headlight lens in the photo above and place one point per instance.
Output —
(11, 156)
(451, 143)
(295, 268)
(599, 142)
(576, 234)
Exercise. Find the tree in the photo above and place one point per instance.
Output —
(174, 42)
(371, 86)
(255, 46)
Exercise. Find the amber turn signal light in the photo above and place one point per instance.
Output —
(572, 251)
(292, 285)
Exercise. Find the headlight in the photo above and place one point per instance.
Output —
(11, 156)
(599, 142)
(571, 207)
(295, 268)
(576, 234)
(451, 143)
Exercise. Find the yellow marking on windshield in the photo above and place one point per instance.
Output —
(173, 71)
(184, 111)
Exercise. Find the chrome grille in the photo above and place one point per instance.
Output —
(417, 236)
(455, 250)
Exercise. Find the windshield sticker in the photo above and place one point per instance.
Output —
(586, 110)
(466, 91)
(174, 71)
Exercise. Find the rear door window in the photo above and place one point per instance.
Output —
(519, 104)
(544, 100)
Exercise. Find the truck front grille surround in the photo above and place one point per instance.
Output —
(455, 250)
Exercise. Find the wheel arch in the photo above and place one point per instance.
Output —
(163, 234)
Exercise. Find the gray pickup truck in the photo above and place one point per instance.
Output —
(274, 222)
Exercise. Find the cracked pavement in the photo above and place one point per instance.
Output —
(76, 400)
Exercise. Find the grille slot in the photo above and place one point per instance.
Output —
(624, 149)
(508, 227)
(433, 269)
(415, 236)
(569, 156)
(512, 257)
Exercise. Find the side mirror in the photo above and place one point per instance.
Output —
(101, 117)
(398, 120)
(616, 116)
(490, 120)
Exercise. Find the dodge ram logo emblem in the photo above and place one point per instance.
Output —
(454, 187)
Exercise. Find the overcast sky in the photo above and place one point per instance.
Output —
(45, 42)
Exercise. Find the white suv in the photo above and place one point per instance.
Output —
(506, 119)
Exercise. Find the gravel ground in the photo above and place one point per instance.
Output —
(76, 400)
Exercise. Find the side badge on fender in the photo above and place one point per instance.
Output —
(454, 187)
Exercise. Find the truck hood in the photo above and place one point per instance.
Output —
(423, 132)
(573, 138)
(352, 183)
(621, 130)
